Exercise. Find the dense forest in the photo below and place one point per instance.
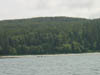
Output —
(49, 35)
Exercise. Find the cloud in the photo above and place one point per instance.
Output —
(12, 9)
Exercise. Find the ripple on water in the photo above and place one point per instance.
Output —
(79, 64)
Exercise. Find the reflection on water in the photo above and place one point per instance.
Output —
(79, 64)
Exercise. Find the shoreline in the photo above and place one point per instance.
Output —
(23, 56)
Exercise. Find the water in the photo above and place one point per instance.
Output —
(78, 64)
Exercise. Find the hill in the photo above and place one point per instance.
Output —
(49, 35)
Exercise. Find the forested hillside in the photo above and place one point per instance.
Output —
(49, 35)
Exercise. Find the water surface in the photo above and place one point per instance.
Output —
(71, 64)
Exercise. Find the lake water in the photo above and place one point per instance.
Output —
(71, 64)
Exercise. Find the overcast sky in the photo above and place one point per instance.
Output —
(12, 9)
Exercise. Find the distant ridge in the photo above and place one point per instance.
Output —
(49, 35)
(48, 18)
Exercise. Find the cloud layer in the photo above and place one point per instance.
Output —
(12, 9)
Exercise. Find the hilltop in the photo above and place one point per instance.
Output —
(49, 35)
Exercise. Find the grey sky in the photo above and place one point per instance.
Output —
(12, 9)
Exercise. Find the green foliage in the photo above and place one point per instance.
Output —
(76, 47)
(68, 48)
(1, 50)
(12, 51)
(49, 35)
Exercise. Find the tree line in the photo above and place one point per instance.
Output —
(49, 35)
